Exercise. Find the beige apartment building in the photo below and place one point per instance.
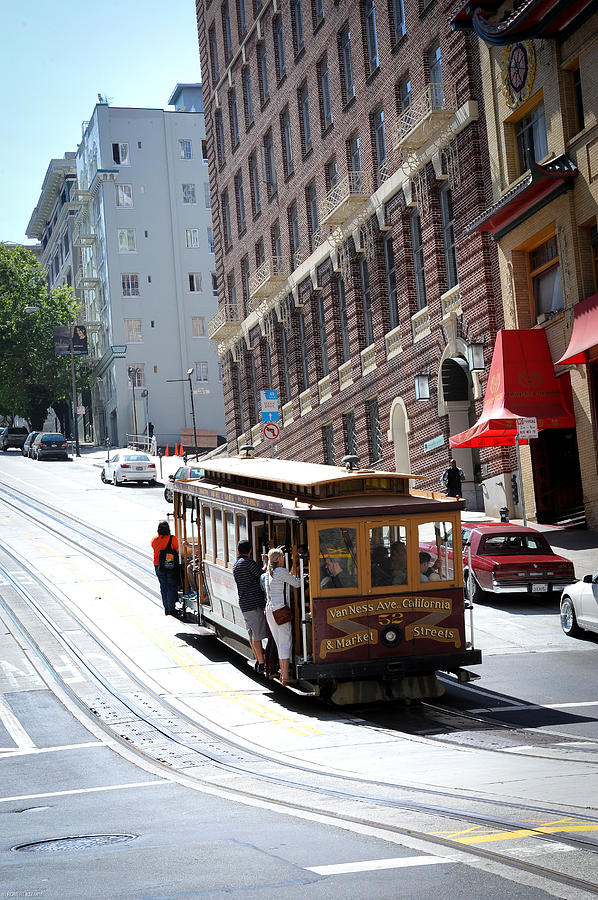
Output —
(540, 96)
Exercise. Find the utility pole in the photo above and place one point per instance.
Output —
(74, 388)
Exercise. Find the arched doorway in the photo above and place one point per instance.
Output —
(399, 435)
(456, 391)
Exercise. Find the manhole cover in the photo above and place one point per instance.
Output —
(79, 842)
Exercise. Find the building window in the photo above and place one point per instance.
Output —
(312, 212)
(198, 326)
(245, 278)
(219, 128)
(279, 59)
(201, 371)
(448, 234)
(371, 38)
(124, 195)
(436, 86)
(530, 138)
(350, 434)
(195, 282)
(126, 240)
(253, 394)
(380, 144)
(189, 193)
(294, 238)
(297, 22)
(212, 40)
(578, 111)
(226, 32)
(262, 71)
(241, 17)
(375, 431)
(185, 149)
(355, 162)
(328, 442)
(303, 348)
(397, 20)
(367, 302)
(226, 223)
(240, 203)
(206, 194)
(247, 96)
(269, 167)
(344, 317)
(346, 65)
(260, 253)
(391, 281)
(545, 275)
(214, 284)
(331, 174)
(211, 238)
(233, 118)
(130, 285)
(287, 142)
(325, 104)
(594, 249)
(192, 238)
(120, 154)
(232, 292)
(239, 403)
(286, 364)
(255, 185)
(322, 333)
(276, 246)
(318, 10)
(133, 333)
(403, 94)
(304, 118)
(418, 260)
(204, 151)
(136, 375)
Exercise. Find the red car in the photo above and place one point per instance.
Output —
(506, 559)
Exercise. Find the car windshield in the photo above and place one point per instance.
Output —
(196, 473)
(514, 543)
(137, 458)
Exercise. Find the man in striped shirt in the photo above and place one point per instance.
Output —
(251, 600)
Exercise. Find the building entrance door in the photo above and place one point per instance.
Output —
(557, 476)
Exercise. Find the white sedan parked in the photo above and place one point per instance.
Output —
(579, 606)
(127, 465)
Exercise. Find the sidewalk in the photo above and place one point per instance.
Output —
(165, 466)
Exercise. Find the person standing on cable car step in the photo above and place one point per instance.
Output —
(166, 564)
(277, 578)
(251, 600)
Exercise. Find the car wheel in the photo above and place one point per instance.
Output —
(103, 476)
(114, 479)
(168, 495)
(568, 618)
(473, 590)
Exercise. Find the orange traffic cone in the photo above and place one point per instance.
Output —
(181, 451)
(176, 450)
(167, 451)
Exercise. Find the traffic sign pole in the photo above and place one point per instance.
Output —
(527, 429)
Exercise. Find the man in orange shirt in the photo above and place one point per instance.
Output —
(165, 544)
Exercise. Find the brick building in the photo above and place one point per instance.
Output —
(347, 153)
(541, 91)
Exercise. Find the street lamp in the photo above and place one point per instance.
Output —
(133, 370)
(189, 376)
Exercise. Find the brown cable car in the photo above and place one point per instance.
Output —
(372, 621)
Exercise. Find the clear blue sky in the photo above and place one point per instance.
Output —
(56, 57)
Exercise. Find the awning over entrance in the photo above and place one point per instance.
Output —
(584, 334)
(521, 383)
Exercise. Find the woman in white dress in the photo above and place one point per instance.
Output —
(277, 576)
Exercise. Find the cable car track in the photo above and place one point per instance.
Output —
(274, 773)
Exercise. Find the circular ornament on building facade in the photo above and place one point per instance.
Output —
(518, 70)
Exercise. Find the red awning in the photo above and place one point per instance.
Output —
(521, 383)
(584, 334)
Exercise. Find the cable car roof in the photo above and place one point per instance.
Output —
(290, 471)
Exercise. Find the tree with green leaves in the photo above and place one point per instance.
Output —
(32, 377)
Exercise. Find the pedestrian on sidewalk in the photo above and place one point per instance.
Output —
(452, 479)
(252, 600)
(166, 564)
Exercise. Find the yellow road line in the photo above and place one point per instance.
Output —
(523, 832)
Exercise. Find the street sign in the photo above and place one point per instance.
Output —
(80, 410)
(271, 431)
(527, 428)
(269, 401)
(270, 416)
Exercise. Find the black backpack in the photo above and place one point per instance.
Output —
(168, 560)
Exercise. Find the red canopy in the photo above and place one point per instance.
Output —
(521, 383)
(584, 334)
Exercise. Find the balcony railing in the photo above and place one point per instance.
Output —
(266, 280)
(297, 257)
(86, 277)
(368, 359)
(324, 389)
(345, 375)
(424, 117)
(451, 302)
(224, 323)
(87, 239)
(420, 324)
(305, 402)
(393, 342)
(346, 197)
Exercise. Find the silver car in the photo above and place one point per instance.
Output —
(579, 606)
(125, 466)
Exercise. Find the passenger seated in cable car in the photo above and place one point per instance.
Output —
(398, 562)
(381, 566)
(427, 569)
(333, 575)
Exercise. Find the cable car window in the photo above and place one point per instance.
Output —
(435, 540)
(242, 520)
(230, 533)
(219, 534)
(338, 558)
(209, 543)
(388, 555)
